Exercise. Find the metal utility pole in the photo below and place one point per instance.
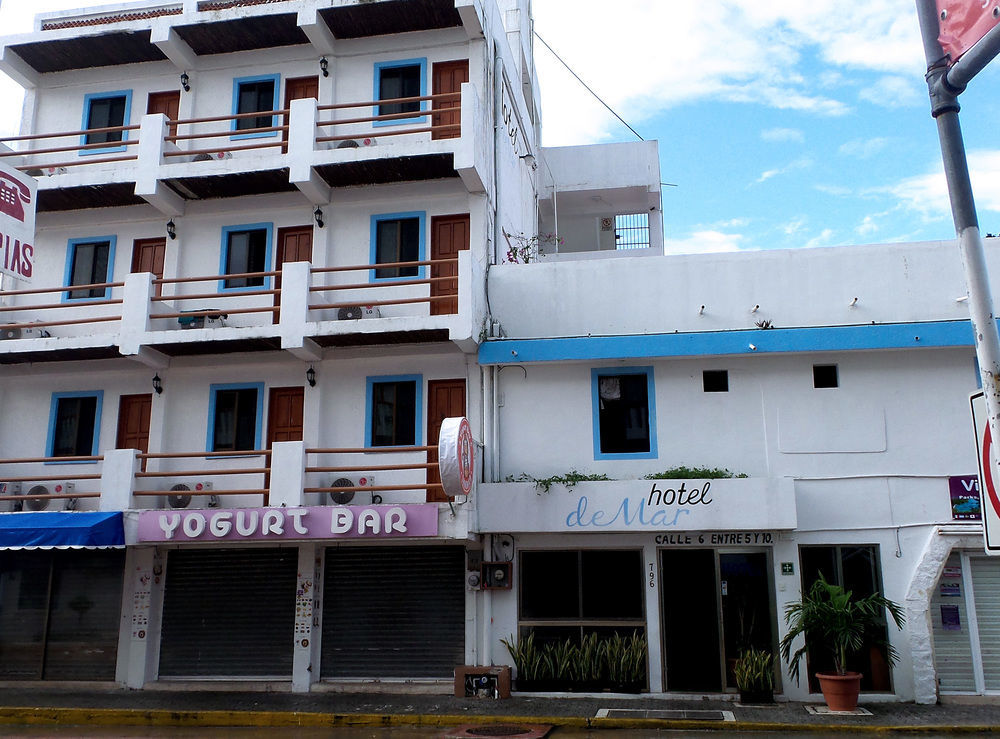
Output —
(945, 83)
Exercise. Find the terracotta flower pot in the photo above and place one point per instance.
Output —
(840, 691)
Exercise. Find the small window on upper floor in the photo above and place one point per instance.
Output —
(89, 262)
(235, 417)
(74, 423)
(253, 95)
(399, 80)
(632, 231)
(394, 410)
(245, 249)
(624, 413)
(105, 110)
(397, 237)
(715, 381)
(825, 375)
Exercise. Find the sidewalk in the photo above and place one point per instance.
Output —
(46, 704)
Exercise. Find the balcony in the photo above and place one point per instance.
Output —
(314, 307)
(308, 147)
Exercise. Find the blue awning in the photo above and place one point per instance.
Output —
(61, 530)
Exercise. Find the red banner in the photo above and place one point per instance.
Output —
(964, 22)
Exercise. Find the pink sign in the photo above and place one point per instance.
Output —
(965, 22)
(282, 524)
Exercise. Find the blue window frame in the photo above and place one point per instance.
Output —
(624, 410)
(74, 424)
(404, 78)
(398, 237)
(89, 261)
(245, 248)
(105, 110)
(393, 410)
(235, 416)
(252, 95)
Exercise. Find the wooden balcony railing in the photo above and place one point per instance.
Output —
(263, 469)
(349, 470)
(221, 311)
(75, 306)
(27, 481)
(443, 107)
(36, 149)
(226, 133)
(369, 288)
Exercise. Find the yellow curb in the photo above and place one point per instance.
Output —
(281, 719)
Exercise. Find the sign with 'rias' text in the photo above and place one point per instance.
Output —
(17, 223)
(278, 524)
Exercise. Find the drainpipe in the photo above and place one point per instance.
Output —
(485, 652)
(497, 108)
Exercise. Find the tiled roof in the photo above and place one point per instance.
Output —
(114, 18)
(223, 4)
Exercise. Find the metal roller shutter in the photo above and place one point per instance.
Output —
(952, 648)
(228, 612)
(393, 612)
(986, 586)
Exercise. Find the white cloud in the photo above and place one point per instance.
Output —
(836, 190)
(782, 135)
(800, 163)
(825, 238)
(892, 92)
(867, 226)
(863, 148)
(927, 194)
(794, 226)
(704, 242)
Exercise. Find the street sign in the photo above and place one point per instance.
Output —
(986, 454)
(964, 23)
(17, 223)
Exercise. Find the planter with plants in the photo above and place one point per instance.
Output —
(832, 619)
(754, 672)
(617, 663)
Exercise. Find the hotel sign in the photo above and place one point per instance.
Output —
(283, 524)
(17, 223)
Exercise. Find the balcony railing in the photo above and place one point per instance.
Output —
(364, 293)
(219, 489)
(9, 313)
(37, 490)
(431, 120)
(396, 472)
(53, 164)
(189, 317)
(227, 132)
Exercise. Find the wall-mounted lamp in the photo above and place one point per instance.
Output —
(324, 67)
(157, 384)
(311, 376)
(318, 215)
(185, 82)
(171, 229)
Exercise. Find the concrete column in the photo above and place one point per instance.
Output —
(302, 119)
(303, 674)
(134, 642)
(651, 589)
(150, 150)
(288, 473)
(136, 306)
(295, 281)
(118, 479)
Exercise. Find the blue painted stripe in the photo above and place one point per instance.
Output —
(766, 341)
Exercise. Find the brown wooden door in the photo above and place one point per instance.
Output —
(133, 423)
(448, 77)
(449, 236)
(297, 88)
(147, 256)
(445, 399)
(284, 414)
(295, 244)
(168, 103)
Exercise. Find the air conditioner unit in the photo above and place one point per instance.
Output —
(181, 494)
(10, 332)
(343, 497)
(357, 143)
(215, 156)
(35, 504)
(357, 312)
(18, 332)
(12, 488)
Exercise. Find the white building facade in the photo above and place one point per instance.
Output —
(278, 243)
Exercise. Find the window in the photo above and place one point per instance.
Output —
(632, 231)
(624, 413)
(397, 237)
(393, 410)
(402, 79)
(89, 262)
(245, 248)
(715, 381)
(824, 375)
(105, 110)
(74, 424)
(855, 568)
(251, 95)
(234, 417)
(568, 594)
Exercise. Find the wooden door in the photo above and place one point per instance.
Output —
(133, 423)
(294, 245)
(448, 77)
(449, 236)
(168, 103)
(284, 421)
(445, 399)
(298, 88)
(147, 256)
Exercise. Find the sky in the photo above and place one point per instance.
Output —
(783, 124)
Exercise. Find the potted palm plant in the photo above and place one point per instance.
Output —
(831, 618)
(754, 672)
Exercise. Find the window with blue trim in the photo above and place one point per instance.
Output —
(397, 237)
(624, 417)
(235, 417)
(106, 110)
(89, 262)
(253, 95)
(74, 422)
(245, 248)
(400, 79)
(393, 410)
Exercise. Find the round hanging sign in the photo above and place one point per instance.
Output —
(456, 456)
